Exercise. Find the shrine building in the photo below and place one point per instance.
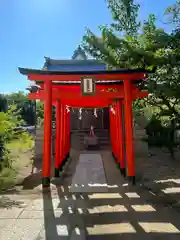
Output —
(85, 93)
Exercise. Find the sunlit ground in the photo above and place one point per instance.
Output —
(169, 189)
(123, 226)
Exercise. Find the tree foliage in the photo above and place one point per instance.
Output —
(3, 103)
(9, 121)
(26, 108)
(15, 110)
(126, 43)
(173, 13)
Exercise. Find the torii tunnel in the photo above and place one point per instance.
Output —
(115, 89)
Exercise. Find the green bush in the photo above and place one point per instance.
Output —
(161, 136)
(8, 122)
(7, 178)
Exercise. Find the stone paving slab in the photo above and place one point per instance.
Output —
(119, 212)
(79, 217)
(34, 214)
(89, 170)
(10, 213)
(40, 204)
(20, 229)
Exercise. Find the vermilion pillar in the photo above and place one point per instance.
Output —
(110, 126)
(68, 134)
(58, 140)
(112, 132)
(64, 137)
(46, 169)
(129, 130)
(115, 122)
(121, 138)
(117, 135)
(61, 137)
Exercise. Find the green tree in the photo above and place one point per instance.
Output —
(126, 43)
(173, 13)
(8, 122)
(25, 107)
(148, 47)
(39, 112)
(3, 103)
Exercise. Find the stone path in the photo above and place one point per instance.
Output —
(89, 172)
(113, 211)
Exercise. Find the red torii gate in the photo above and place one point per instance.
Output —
(113, 88)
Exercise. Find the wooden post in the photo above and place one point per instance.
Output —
(121, 139)
(58, 142)
(61, 139)
(129, 131)
(68, 134)
(111, 131)
(116, 132)
(46, 169)
(117, 135)
(64, 135)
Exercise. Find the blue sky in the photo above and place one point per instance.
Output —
(32, 29)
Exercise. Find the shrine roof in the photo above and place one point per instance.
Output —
(50, 61)
(73, 65)
(27, 71)
(79, 58)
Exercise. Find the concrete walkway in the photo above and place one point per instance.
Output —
(89, 172)
(105, 208)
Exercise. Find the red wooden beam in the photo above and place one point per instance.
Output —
(99, 90)
(90, 104)
(136, 93)
(74, 95)
(104, 77)
(78, 87)
(74, 99)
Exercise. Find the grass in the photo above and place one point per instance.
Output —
(25, 142)
(7, 178)
(20, 155)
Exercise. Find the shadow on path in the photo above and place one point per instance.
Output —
(109, 210)
(115, 214)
